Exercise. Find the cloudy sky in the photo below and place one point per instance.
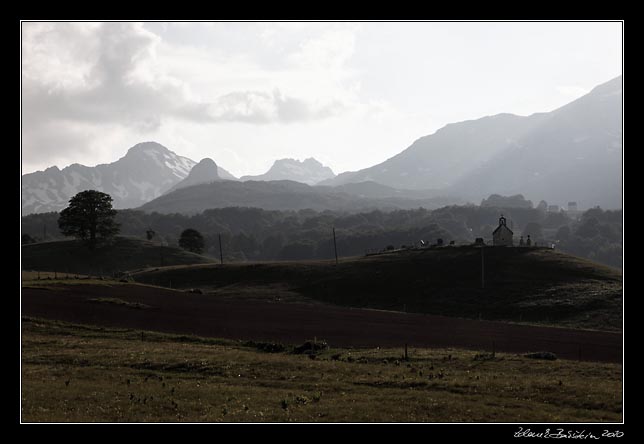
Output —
(244, 94)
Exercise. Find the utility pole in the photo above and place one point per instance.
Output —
(335, 246)
(482, 268)
(221, 254)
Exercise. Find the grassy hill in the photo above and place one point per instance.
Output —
(123, 255)
(533, 285)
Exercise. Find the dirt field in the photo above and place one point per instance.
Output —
(149, 308)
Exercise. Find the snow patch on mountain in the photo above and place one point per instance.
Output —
(146, 171)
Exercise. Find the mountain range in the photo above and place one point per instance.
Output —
(144, 173)
(309, 171)
(281, 195)
(132, 185)
(573, 153)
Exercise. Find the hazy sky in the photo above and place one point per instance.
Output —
(349, 94)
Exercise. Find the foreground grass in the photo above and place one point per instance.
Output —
(91, 374)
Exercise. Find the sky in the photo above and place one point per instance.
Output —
(350, 94)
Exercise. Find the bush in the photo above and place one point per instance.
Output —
(542, 355)
(268, 347)
(310, 347)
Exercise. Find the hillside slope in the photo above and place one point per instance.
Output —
(573, 153)
(521, 285)
(125, 254)
(272, 195)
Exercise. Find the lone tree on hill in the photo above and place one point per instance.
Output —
(191, 240)
(89, 217)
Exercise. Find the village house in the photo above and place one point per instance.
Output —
(502, 236)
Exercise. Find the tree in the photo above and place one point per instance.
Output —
(191, 240)
(589, 228)
(563, 233)
(89, 217)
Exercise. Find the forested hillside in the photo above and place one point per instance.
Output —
(256, 234)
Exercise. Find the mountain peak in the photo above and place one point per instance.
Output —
(150, 145)
(144, 173)
(309, 171)
(205, 171)
(312, 161)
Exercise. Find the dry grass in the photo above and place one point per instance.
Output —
(91, 374)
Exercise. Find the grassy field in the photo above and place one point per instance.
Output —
(125, 254)
(90, 374)
(533, 285)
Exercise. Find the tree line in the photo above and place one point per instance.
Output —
(257, 234)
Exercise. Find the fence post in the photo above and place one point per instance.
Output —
(482, 269)
(335, 247)
(221, 253)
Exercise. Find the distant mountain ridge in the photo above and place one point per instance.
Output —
(274, 195)
(573, 153)
(144, 173)
(147, 170)
(437, 160)
(309, 171)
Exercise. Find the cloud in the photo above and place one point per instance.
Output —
(91, 90)
(261, 108)
(54, 145)
(330, 50)
(100, 76)
(117, 81)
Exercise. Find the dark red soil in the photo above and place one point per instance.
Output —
(209, 316)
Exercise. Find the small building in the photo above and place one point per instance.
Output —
(553, 208)
(572, 206)
(502, 236)
(479, 241)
